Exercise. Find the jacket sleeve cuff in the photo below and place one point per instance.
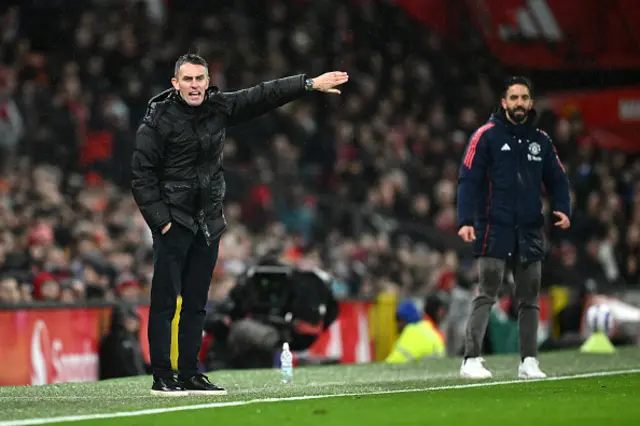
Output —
(299, 82)
(564, 209)
(158, 215)
(465, 222)
(162, 225)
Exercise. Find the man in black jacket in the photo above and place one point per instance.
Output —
(178, 184)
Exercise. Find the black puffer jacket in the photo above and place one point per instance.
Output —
(177, 172)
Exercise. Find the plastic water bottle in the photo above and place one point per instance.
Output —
(286, 364)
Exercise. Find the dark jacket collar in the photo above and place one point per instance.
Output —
(213, 101)
(499, 116)
(171, 95)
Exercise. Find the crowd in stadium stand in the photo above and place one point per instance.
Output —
(363, 185)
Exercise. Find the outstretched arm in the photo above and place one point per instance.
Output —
(250, 103)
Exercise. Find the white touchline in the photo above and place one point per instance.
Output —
(42, 421)
(313, 386)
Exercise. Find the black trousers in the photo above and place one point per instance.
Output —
(183, 265)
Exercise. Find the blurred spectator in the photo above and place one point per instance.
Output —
(120, 351)
(9, 291)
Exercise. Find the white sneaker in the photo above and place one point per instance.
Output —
(473, 368)
(530, 369)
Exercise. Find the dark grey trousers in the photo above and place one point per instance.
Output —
(527, 278)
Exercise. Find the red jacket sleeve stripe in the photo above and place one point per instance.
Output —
(471, 152)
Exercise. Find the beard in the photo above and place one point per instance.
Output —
(518, 114)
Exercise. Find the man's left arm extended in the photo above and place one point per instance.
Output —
(250, 103)
(556, 182)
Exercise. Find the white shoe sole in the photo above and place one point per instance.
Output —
(206, 393)
(474, 377)
(169, 394)
(528, 377)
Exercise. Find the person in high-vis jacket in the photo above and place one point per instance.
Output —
(419, 338)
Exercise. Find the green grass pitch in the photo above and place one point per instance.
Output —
(582, 390)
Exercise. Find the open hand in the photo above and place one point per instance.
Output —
(564, 221)
(328, 81)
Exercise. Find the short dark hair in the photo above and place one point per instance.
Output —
(512, 81)
(190, 58)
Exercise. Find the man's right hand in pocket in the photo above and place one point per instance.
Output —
(166, 228)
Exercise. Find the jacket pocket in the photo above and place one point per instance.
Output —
(180, 194)
(533, 243)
